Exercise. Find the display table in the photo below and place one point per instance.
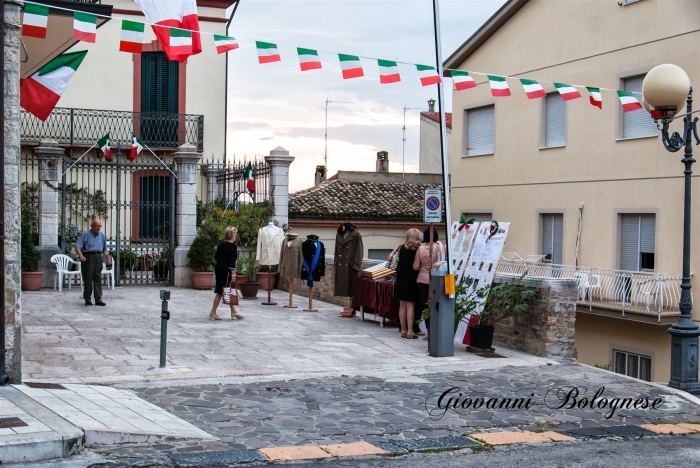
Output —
(376, 297)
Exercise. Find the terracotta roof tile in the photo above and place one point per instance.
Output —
(434, 116)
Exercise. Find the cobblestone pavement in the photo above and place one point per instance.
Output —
(349, 409)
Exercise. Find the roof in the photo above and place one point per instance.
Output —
(340, 199)
(488, 29)
(435, 117)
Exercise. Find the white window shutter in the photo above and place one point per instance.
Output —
(480, 131)
(637, 123)
(555, 121)
(629, 242)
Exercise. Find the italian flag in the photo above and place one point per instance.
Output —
(656, 115)
(567, 92)
(180, 42)
(104, 143)
(169, 14)
(499, 86)
(267, 52)
(532, 88)
(250, 179)
(308, 59)
(595, 98)
(136, 147)
(352, 68)
(40, 93)
(35, 20)
(462, 80)
(628, 101)
(224, 43)
(428, 75)
(388, 71)
(131, 39)
(84, 26)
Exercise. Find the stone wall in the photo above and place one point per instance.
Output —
(548, 329)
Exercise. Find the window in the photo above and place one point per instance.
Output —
(553, 237)
(637, 123)
(155, 207)
(479, 217)
(159, 95)
(638, 242)
(554, 121)
(632, 365)
(480, 131)
(378, 254)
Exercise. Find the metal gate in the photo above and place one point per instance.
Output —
(135, 202)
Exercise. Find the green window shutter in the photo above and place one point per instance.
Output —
(159, 83)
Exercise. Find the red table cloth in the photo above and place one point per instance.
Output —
(376, 297)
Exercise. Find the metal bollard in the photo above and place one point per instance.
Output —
(164, 317)
(441, 342)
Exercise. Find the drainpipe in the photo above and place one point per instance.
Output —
(228, 23)
(3, 351)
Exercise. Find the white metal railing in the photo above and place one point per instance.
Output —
(627, 291)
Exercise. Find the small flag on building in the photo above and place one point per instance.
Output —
(462, 80)
(308, 59)
(532, 88)
(225, 43)
(36, 18)
(250, 179)
(567, 92)
(180, 42)
(132, 37)
(628, 101)
(40, 93)
(499, 86)
(351, 65)
(104, 144)
(429, 75)
(596, 99)
(267, 52)
(388, 71)
(84, 26)
(136, 147)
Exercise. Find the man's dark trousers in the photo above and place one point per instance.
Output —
(91, 269)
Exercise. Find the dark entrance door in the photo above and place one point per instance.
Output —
(159, 99)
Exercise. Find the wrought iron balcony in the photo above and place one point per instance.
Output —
(83, 127)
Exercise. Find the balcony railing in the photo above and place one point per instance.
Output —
(626, 291)
(83, 127)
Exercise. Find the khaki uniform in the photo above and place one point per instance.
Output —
(290, 262)
(348, 262)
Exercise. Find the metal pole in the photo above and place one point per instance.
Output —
(403, 148)
(228, 24)
(63, 207)
(325, 151)
(164, 317)
(3, 351)
(443, 133)
(119, 203)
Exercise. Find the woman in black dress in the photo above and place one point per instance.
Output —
(225, 270)
(405, 289)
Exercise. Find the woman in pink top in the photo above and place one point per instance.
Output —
(423, 264)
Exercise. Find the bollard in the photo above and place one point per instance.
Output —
(164, 317)
(441, 341)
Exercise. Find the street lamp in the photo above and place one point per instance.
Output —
(665, 88)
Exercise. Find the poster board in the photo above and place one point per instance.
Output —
(461, 242)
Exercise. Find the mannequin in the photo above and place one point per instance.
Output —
(268, 252)
(349, 251)
(313, 265)
(290, 263)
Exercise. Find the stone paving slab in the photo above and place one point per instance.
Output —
(389, 447)
(304, 452)
(507, 438)
(221, 457)
(354, 449)
(629, 431)
(454, 442)
(666, 428)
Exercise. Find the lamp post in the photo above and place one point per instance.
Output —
(665, 88)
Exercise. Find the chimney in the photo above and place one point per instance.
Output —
(382, 162)
(431, 105)
(320, 176)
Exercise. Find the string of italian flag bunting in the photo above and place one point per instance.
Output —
(180, 42)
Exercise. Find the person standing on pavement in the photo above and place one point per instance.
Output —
(225, 270)
(91, 246)
(422, 264)
(405, 289)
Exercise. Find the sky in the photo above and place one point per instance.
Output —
(276, 104)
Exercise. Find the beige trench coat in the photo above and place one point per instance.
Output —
(347, 262)
(290, 262)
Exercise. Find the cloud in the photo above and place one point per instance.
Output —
(267, 138)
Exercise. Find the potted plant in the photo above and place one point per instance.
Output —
(29, 255)
(249, 287)
(201, 260)
(161, 264)
(127, 260)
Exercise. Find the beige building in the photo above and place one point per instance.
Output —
(541, 163)
(430, 160)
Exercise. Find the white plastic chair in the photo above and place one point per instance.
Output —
(109, 272)
(63, 263)
(648, 290)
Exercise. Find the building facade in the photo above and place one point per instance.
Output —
(430, 160)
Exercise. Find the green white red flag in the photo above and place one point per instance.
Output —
(308, 59)
(429, 75)
(462, 80)
(351, 66)
(499, 86)
(225, 43)
(180, 42)
(267, 52)
(40, 93)
(35, 20)
(628, 101)
(136, 147)
(532, 88)
(595, 98)
(131, 39)
(250, 178)
(84, 26)
(181, 14)
(567, 91)
(388, 71)
(104, 144)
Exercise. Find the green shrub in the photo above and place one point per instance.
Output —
(29, 254)
(201, 253)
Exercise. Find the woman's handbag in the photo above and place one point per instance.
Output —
(393, 261)
(230, 295)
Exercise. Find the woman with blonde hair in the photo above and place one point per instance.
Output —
(405, 289)
(225, 270)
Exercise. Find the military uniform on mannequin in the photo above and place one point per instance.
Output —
(309, 251)
(290, 261)
(349, 251)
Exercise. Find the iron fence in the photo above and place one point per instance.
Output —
(84, 127)
(229, 182)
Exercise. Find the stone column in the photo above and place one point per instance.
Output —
(279, 161)
(49, 155)
(13, 321)
(186, 159)
(215, 180)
